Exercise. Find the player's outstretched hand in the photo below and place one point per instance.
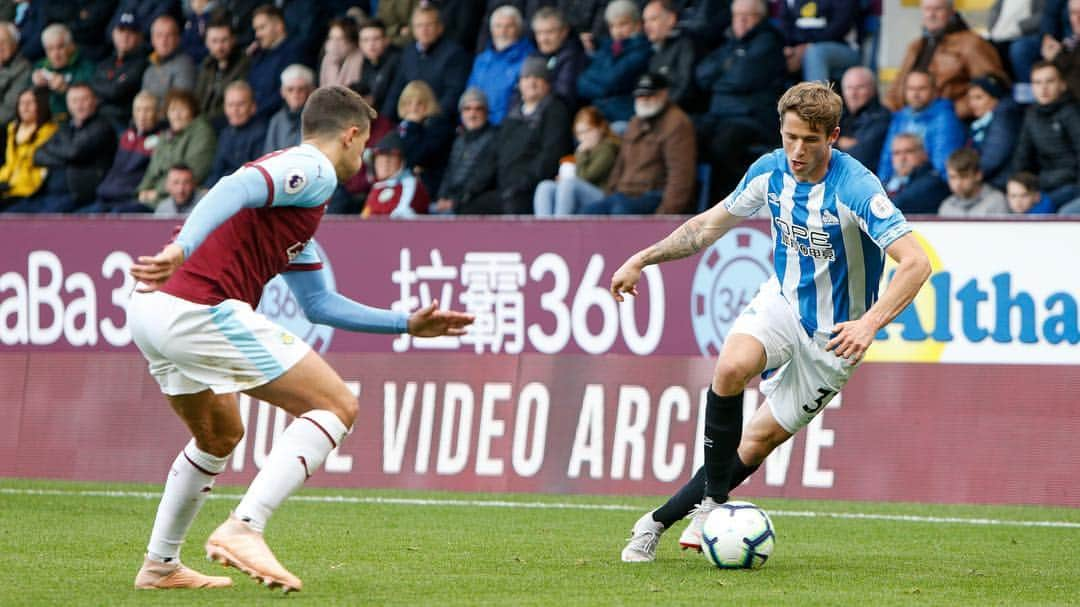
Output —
(851, 339)
(430, 321)
(153, 270)
(626, 278)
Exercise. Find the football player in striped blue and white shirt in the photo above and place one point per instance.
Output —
(811, 323)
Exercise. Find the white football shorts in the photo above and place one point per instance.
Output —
(226, 348)
(801, 376)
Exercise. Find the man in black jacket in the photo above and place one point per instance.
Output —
(673, 52)
(1049, 142)
(118, 78)
(532, 138)
(381, 60)
(564, 55)
(77, 157)
(916, 187)
(434, 59)
(470, 171)
(865, 121)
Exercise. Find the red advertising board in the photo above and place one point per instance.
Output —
(559, 390)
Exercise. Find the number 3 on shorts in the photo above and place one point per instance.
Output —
(819, 402)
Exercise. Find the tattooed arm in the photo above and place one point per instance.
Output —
(697, 233)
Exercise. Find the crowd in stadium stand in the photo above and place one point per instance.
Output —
(545, 107)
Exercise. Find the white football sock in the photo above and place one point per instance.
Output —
(297, 454)
(191, 479)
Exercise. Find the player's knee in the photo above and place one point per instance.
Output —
(728, 379)
(222, 442)
(345, 405)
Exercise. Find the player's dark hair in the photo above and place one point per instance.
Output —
(332, 109)
(815, 103)
(181, 166)
(964, 161)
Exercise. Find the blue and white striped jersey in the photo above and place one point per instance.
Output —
(829, 237)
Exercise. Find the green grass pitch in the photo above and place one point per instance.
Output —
(73, 544)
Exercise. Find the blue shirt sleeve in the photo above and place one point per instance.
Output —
(880, 218)
(296, 177)
(324, 306)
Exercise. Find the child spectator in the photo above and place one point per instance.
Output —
(970, 196)
(1022, 192)
(397, 192)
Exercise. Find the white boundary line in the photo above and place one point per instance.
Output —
(404, 501)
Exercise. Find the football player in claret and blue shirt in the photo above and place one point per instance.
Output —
(810, 324)
(192, 316)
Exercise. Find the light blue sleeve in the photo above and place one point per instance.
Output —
(245, 188)
(878, 216)
(308, 256)
(751, 192)
(326, 307)
(296, 177)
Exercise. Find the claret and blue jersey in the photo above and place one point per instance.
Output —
(829, 236)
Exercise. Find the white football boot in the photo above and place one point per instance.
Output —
(691, 536)
(643, 540)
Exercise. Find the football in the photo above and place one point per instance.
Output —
(738, 535)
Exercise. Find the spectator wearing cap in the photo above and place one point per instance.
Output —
(532, 139)
(470, 170)
(14, 71)
(297, 84)
(225, 62)
(744, 78)
(609, 79)
(995, 128)
(118, 78)
(274, 51)
(563, 52)
(397, 192)
(62, 67)
(244, 137)
(433, 58)
(495, 70)
(381, 60)
(865, 121)
(654, 171)
(673, 51)
(170, 69)
(145, 11)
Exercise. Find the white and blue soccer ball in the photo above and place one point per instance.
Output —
(738, 535)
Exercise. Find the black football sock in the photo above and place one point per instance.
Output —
(684, 500)
(723, 429)
(740, 471)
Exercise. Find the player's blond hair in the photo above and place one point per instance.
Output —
(332, 109)
(814, 103)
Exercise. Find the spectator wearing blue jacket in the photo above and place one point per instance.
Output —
(243, 139)
(618, 62)
(928, 116)
(433, 58)
(276, 51)
(995, 129)
(495, 70)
